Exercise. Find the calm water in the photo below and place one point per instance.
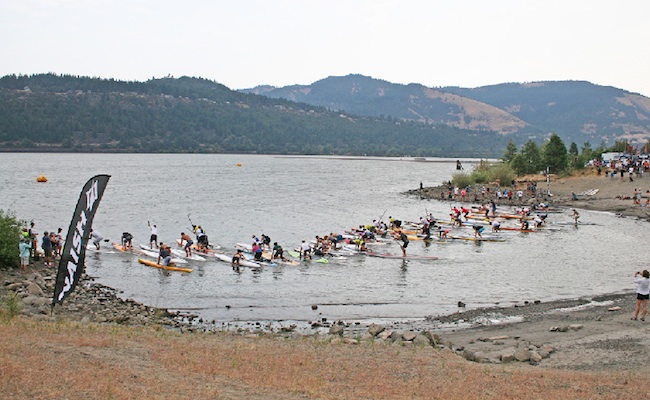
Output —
(295, 198)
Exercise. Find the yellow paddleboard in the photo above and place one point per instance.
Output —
(168, 268)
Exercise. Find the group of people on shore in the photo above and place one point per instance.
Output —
(50, 246)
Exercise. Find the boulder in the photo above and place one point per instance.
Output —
(14, 286)
(522, 354)
(34, 289)
(396, 336)
(421, 340)
(384, 335)
(481, 357)
(433, 337)
(535, 356)
(409, 336)
(376, 329)
(337, 330)
(508, 355)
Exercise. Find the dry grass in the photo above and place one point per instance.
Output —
(43, 360)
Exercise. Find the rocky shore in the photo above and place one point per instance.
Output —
(589, 334)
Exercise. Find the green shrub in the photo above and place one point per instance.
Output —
(11, 306)
(461, 179)
(9, 239)
(485, 172)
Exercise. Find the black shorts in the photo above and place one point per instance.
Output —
(154, 238)
(640, 296)
(405, 245)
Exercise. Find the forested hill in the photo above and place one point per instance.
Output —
(577, 111)
(50, 112)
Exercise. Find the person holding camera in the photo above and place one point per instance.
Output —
(642, 280)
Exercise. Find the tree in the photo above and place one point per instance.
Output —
(574, 160)
(531, 158)
(511, 152)
(555, 154)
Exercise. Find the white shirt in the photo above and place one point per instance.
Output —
(643, 285)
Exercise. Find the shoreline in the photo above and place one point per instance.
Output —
(555, 334)
(588, 333)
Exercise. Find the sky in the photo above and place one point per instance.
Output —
(246, 43)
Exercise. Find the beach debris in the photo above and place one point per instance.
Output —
(617, 308)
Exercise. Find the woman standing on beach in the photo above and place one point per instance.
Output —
(642, 293)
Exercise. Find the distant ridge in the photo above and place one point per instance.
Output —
(577, 111)
(49, 112)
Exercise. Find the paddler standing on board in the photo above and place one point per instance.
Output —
(404, 244)
(165, 255)
(153, 240)
(187, 242)
(305, 250)
(201, 237)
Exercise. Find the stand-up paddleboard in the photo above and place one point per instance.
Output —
(181, 254)
(168, 268)
(414, 257)
(242, 263)
(476, 239)
(121, 248)
(154, 254)
(321, 260)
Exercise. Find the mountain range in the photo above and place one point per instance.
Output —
(577, 111)
(348, 115)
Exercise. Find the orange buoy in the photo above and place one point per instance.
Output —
(41, 178)
(239, 164)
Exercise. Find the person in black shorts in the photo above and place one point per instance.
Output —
(405, 243)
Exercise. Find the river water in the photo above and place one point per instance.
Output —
(295, 198)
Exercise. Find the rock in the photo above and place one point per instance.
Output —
(36, 301)
(34, 289)
(493, 338)
(367, 337)
(576, 327)
(337, 330)
(433, 337)
(481, 357)
(384, 335)
(15, 286)
(535, 357)
(461, 304)
(396, 336)
(376, 329)
(468, 355)
(409, 336)
(350, 341)
(522, 354)
(547, 348)
(421, 340)
(508, 355)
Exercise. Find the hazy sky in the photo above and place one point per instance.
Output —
(242, 43)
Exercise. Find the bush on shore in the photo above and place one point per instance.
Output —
(485, 172)
(9, 239)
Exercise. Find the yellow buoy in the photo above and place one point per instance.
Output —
(41, 178)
